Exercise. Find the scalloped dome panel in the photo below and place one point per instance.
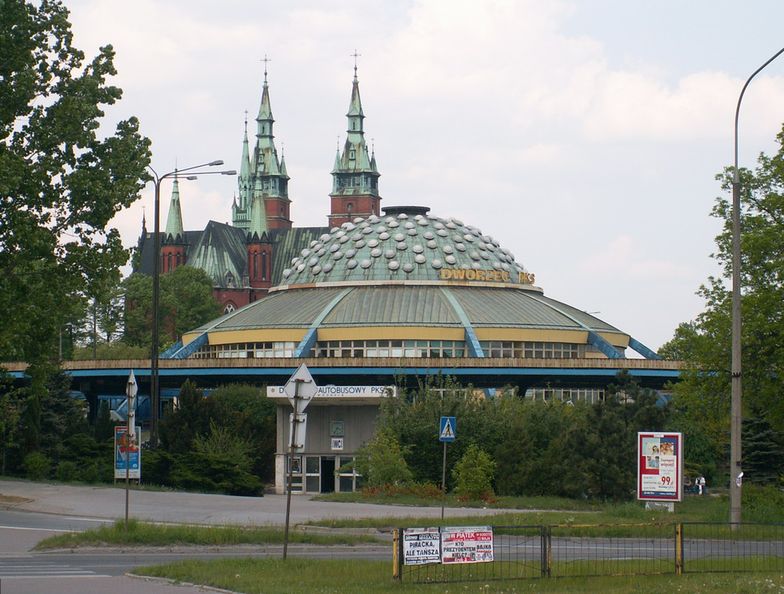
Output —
(402, 247)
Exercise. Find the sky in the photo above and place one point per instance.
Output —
(584, 136)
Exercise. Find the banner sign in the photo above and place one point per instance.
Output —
(659, 466)
(467, 545)
(421, 545)
(126, 451)
(340, 392)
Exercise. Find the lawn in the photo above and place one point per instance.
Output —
(306, 576)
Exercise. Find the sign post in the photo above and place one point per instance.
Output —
(300, 389)
(130, 435)
(447, 432)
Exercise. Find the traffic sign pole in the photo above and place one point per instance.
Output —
(294, 422)
(443, 484)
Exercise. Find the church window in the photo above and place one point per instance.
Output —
(352, 154)
(179, 258)
(263, 265)
(168, 263)
(229, 308)
(254, 274)
(229, 279)
(349, 207)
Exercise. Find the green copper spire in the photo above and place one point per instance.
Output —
(354, 173)
(258, 218)
(174, 228)
(264, 175)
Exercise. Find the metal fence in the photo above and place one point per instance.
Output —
(520, 552)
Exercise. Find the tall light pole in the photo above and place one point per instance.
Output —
(736, 414)
(155, 393)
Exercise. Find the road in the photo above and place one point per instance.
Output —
(30, 512)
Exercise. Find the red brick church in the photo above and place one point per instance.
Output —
(246, 258)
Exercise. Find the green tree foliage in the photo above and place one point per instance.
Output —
(60, 184)
(223, 442)
(474, 474)
(186, 303)
(703, 397)
(540, 448)
(763, 452)
(381, 461)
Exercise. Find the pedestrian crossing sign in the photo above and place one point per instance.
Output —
(448, 429)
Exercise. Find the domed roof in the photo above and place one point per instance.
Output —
(404, 245)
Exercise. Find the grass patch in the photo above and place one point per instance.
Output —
(692, 509)
(142, 533)
(306, 576)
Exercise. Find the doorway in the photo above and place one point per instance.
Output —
(327, 474)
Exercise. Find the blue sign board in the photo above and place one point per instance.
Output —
(447, 429)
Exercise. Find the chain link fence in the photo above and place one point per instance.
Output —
(432, 555)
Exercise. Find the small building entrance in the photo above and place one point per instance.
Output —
(327, 474)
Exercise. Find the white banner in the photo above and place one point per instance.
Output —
(467, 545)
(340, 392)
(421, 545)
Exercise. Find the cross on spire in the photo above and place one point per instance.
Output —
(355, 56)
(265, 59)
(246, 121)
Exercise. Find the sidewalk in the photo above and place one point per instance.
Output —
(168, 506)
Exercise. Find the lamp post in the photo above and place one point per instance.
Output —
(156, 284)
(736, 414)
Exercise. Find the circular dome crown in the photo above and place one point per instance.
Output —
(405, 245)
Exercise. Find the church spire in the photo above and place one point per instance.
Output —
(265, 175)
(174, 228)
(354, 175)
(258, 219)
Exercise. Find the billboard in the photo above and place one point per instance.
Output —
(659, 466)
(467, 545)
(127, 452)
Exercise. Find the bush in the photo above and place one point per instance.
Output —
(474, 474)
(67, 471)
(381, 461)
(37, 466)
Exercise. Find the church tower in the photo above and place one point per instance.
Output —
(259, 248)
(355, 175)
(262, 174)
(173, 244)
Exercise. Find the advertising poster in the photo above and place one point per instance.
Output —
(659, 466)
(126, 451)
(467, 545)
(421, 545)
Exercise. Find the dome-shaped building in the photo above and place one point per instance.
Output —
(372, 301)
(407, 285)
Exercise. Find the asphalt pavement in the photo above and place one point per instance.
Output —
(32, 511)
(104, 502)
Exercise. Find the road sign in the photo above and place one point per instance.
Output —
(298, 430)
(130, 391)
(302, 386)
(448, 429)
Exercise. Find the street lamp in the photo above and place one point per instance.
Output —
(156, 285)
(736, 414)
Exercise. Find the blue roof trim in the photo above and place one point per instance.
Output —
(643, 350)
(168, 353)
(391, 371)
(306, 344)
(190, 348)
(605, 347)
(474, 348)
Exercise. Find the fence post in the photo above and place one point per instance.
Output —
(397, 541)
(679, 549)
(545, 550)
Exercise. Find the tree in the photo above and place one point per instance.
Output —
(60, 184)
(703, 396)
(474, 474)
(186, 303)
(381, 461)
